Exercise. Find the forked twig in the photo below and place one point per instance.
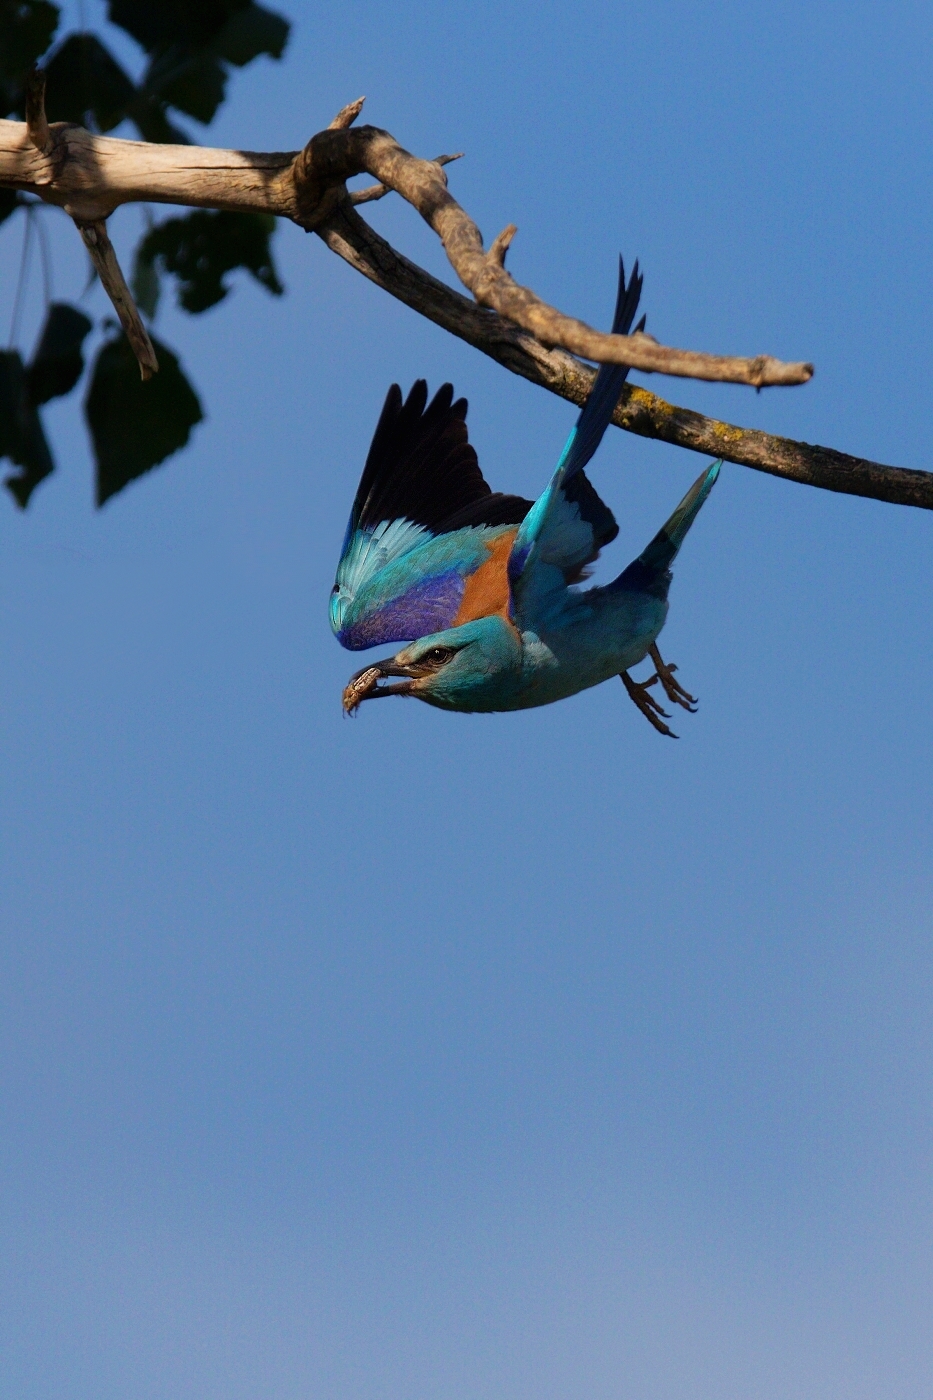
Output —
(334, 156)
(89, 176)
(94, 235)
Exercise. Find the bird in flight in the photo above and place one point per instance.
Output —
(483, 586)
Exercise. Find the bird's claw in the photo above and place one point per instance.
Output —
(649, 706)
(672, 688)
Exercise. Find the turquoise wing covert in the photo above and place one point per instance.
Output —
(424, 521)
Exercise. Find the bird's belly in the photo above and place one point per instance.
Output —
(594, 646)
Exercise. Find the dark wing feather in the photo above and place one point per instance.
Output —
(422, 467)
(593, 509)
(423, 521)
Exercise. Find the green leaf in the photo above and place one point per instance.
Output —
(9, 203)
(202, 248)
(136, 424)
(152, 123)
(157, 24)
(193, 82)
(57, 361)
(250, 32)
(83, 77)
(26, 29)
(21, 436)
(151, 23)
(190, 45)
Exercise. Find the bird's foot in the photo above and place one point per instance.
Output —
(672, 688)
(649, 706)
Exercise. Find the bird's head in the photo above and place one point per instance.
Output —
(476, 666)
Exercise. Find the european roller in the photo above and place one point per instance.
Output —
(484, 586)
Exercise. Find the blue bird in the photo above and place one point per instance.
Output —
(485, 583)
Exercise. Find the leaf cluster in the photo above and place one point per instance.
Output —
(27, 27)
(55, 368)
(190, 48)
(200, 250)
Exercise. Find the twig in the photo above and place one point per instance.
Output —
(335, 155)
(89, 176)
(371, 192)
(37, 125)
(98, 244)
(500, 245)
(638, 411)
(347, 115)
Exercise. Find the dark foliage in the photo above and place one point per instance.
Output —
(86, 85)
(26, 30)
(190, 46)
(200, 250)
(134, 424)
(21, 436)
(57, 363)
(9, 203)
(236, 30)
(54, 369)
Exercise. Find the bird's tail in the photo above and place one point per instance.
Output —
(604, 395)
(650, 572)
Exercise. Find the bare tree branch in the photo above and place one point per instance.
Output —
(333, 156)
(89, 176)
(98, 244)
(638, 411)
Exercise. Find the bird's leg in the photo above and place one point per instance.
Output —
(638, 691)
(672, 688)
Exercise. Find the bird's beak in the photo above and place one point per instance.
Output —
(365, 684)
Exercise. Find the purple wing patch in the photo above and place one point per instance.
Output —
(428, 606)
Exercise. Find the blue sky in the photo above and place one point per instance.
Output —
(525, 1055)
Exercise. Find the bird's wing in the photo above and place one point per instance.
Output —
(569, 524)
(423, 526)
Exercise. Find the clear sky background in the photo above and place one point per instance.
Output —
(430, 1057)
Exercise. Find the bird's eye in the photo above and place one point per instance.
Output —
(438, 655)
